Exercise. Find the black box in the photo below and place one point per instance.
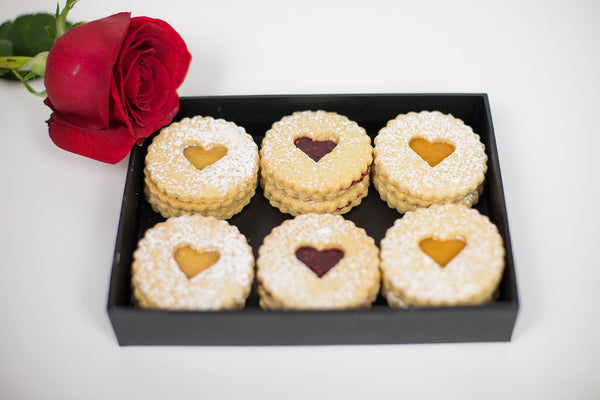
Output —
(253, 326)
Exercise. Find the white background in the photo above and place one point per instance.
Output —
(539, 61)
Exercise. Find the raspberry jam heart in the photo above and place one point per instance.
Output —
(315, 149)
(202, 158)
(319, 261)
(192, 262)
(442, 251)
(433, 153)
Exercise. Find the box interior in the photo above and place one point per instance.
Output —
(256, 114)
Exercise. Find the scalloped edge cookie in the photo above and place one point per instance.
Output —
(403, 203)
(158, 282)
(180, 185)
(458, 175)
(295, 183)
(411, 278)
(344, 202)
(284, 282)
(170, 207)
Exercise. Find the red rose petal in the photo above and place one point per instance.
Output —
(109, 145)
(179, 55)
(79, 70)
(114, 83)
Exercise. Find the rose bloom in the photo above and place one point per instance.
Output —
(112, 82)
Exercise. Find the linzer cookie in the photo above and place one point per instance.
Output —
(317, 261)
(201, 165)
(444, 255)
(341, 205)
(192, 262)
(315, 161)
(428, 158)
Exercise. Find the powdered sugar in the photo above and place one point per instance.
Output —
(159, 281)
(457, 175)
(412, 276)
(353, 282)
(175, 175)
(285, 165)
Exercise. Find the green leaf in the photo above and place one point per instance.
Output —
(28, 34)
(6, 48)
(5, 51)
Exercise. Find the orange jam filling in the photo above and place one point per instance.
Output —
(433, 153)
(442, 251)
(191, 262)
(202, 158)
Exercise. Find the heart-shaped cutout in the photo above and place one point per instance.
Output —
(442, 251)
(433, 153)
(319, 261)
(315, 149)
(191, 262)
(202, 158)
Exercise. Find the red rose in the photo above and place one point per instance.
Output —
(112, 82)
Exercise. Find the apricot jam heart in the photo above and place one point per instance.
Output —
(202, 158)
(319, 261)
(315, 149)
(433, 153)
(192, 262)
(442, 251)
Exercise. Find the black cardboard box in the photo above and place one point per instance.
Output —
(252, 326)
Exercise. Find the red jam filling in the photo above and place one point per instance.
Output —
(315, 149)
(319, 261)
(265, 291)
(362, 176)
(348, 204)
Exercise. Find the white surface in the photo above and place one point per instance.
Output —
(539, 63)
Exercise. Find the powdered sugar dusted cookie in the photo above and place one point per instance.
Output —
(313, 157)
(201, 165)
(317, 261)
(403, 202)
(192, 262)
(428, 158)
(340, 205)
(444, 255)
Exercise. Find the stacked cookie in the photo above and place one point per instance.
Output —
(317, 261)
(201, 165)
(444, 255)
(315, 161)
(192, 262)
(427, 158)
